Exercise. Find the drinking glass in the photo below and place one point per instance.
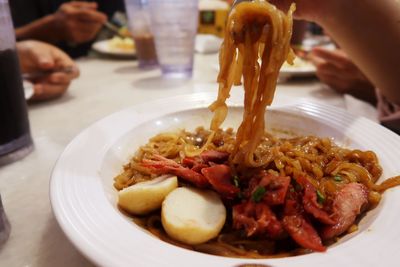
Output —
(174, 25)
(15, 137)
(139, 26)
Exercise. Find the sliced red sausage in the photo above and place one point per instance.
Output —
(346, 206)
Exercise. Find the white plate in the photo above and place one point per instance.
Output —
(305, 69)
(301, 68)
(103, 47)
(84, 200)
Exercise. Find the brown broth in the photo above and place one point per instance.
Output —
(217, 246)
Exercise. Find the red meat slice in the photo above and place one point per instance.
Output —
(346, 206)
(276, 187)
(303, 232)
(256, 219)
(214, 156)
(219, 176)
(162, 165)
(298, 227)
(195, 164)
(311, 204)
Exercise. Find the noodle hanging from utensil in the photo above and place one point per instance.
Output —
(257, 32)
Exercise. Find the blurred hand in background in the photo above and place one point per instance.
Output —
(371, 43)
(79, 22)
(50, 69)
(73, 23)
(335, 69)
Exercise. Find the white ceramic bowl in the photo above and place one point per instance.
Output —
(84, 200)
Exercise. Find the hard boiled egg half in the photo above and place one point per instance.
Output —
(145, 197)
(193, 216)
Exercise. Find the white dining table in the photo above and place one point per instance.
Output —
(104, 86)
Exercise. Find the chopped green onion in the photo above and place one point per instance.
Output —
(236, 181)
(337, 178)
(297, 186)
(320, 197)
(258, 194)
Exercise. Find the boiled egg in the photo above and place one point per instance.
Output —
(145, 197)
(193, 216)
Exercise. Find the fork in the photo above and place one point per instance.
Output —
(236, 2)
(41, 74)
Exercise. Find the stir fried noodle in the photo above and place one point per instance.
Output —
(284, 196)
(257, 32)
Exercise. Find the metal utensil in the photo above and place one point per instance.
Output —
(114, 29)
(236, 2)
(41, 74)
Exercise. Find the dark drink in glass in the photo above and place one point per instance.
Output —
(15, 138)
(146, 50)
(139, 26)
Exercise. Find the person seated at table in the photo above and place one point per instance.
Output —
(46, 64)
(368, 31)
(337, 70)
(71, 25)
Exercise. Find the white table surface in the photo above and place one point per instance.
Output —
(105, 86)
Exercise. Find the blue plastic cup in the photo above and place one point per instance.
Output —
(174, 25)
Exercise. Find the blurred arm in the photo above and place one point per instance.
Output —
(43, 29)
(369, 32)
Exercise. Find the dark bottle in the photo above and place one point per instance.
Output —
(15, 138)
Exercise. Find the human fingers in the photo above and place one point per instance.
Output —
(334, 81)
(81, 32)
(87, 27)
(322, 65)
(47, 91)
(44, 60)
(56, 78)
(61, 77)
(329, 74)
(83, 4)
(339, 64)
(336, 57)
(63, 61)
(34, 56)
(64, 68)
(85, 14)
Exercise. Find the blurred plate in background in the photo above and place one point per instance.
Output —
(115, 47)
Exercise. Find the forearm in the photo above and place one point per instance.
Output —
(44, 29)
(369, 31)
